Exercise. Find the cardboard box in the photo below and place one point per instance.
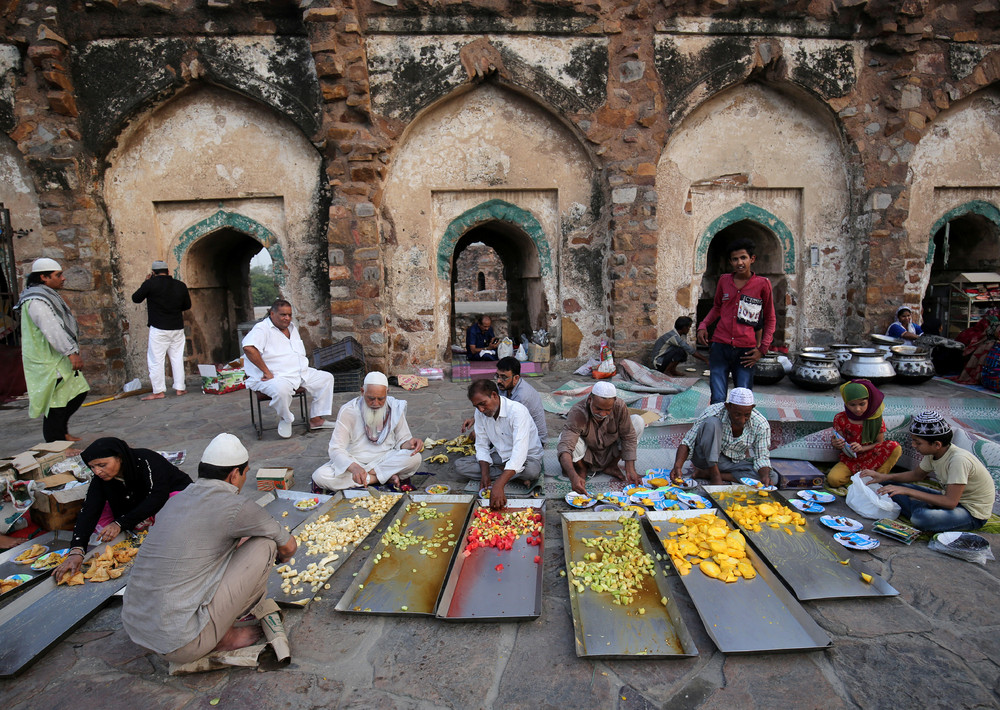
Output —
(36, 462)
(797, 474)
(222, 379)
(57, 509)
(269, 479)
(538, 353)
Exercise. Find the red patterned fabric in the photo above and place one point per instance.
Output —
(869, 459)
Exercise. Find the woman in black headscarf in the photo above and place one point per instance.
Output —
(135, 483)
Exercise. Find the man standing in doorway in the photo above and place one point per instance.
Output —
(166, 300)
(742, 305)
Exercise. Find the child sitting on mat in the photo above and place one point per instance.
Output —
(969, 491)
(862, 432)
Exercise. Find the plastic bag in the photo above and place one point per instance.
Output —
(521, 354)
(540, 337)
(505, 349)
(963, 545)
(864, 500)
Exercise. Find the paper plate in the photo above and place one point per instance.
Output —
(817, 496)
(306, 503)
(484, 493)
(693, 500)
(575, 500)
(856, 540)
(50, 560)
(839, 522)
(631, 490)
(32, 559)
(438, 489)
(805, 506)
(754, 483)
(656, 477)
(642, 498)
(603, 507)
(18, 579)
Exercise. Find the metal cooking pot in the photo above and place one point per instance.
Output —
(868, 364)
(842, 351)
(768, 370)
(815, 371)
(912, 364)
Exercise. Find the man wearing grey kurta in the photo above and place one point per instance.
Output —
(192, 579)
(511, 384)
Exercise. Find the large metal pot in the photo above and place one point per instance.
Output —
(768, 370)
(868, 364)
(912, 364)
(842, 351)
(885, 343)
(815, 371)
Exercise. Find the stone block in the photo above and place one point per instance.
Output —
(339, 273)
(624, 195)
(328, 65)
(62, 102)
(354, 307)
(333, 92)
(321, 14)
(366, 254)
(364, 209)
(572, 337)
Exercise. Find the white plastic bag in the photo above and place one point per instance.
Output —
(505, 349)
(521, 354)
(963, 545)
(864, 500)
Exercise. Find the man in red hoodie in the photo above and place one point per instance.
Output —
(743, 306)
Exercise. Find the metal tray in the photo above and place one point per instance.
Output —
(279, 502)
(748, 616)
(337, 507)
(476, 591)
(38, 619)
(809, 563)
(604, 629)
(53, 540)
(388, 586)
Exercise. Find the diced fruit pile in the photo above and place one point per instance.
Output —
(752, 515)
(708, 542)
(499, 529)
(398, 536)
(619, 566)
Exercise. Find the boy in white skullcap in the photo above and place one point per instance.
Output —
(205, 564)
(729, 441)
(371, 442)
(599, 435)
(969, 490)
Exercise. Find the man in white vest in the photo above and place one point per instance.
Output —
(371, 441)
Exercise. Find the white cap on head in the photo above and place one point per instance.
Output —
(376, 378)
(225, 450)
(159, 264)
(605, 389)
(740, 396)
(40, 266)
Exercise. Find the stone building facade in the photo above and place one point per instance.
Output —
(605, 150)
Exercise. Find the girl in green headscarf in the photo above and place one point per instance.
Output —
(860, 434)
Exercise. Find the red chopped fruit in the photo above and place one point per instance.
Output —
(499, 568)
(501, 529)
(537, 559)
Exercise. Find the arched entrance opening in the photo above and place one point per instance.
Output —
(966, 240)
(216, 269)
(769, 264)
(517, 304)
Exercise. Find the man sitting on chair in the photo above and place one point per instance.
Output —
(276, 366)
(371, 441)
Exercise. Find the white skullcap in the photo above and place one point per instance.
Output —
(158, 264)
(604, 389)
(376, 378)
(225, 450)
(740, 396)
(40, 266)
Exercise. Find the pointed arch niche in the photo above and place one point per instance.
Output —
(204, 182)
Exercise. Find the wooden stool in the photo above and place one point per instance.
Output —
(258, 420)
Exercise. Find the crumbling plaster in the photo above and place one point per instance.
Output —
(794, 168)
(206, 150)
(500, 146)
(17, 194)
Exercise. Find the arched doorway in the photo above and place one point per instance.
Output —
(966, 239)
(769, 264)
(523, 307)
(216, 269)
(480, 287)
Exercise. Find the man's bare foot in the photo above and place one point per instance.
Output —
(180, 393)
(238, 637)
(70, 437)
(155, 395)
(73, 452)
(7, 542)
(393, 481)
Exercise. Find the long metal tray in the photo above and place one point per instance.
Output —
(337, 507)
(281, 505)
(809, 563)
(605, 629)
(476, 591)
(53, 540)
(748, 616)
(38, 619)
(388, 585)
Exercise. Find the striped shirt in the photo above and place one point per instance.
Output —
(754, 443)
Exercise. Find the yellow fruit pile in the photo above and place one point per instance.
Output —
(752, 515)
(708, 542)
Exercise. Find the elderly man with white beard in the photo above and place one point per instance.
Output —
(371, 441)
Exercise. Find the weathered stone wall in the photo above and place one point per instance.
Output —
(568, 128)
(480, 259)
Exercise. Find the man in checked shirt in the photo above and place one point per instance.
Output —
(729, 441)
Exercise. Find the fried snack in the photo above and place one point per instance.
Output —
(31, 554)
(7, 585)
(71, 580)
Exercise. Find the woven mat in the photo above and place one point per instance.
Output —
(561, 400)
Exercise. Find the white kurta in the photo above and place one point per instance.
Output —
(349, 444)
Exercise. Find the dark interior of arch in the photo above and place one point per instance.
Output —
(216, 270)
(526, 304)
(768, 264)
(973, 245)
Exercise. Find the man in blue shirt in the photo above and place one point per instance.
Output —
(480, 341)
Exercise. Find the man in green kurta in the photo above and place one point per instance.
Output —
(50, 351)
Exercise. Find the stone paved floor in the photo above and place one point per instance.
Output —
(936, 645)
